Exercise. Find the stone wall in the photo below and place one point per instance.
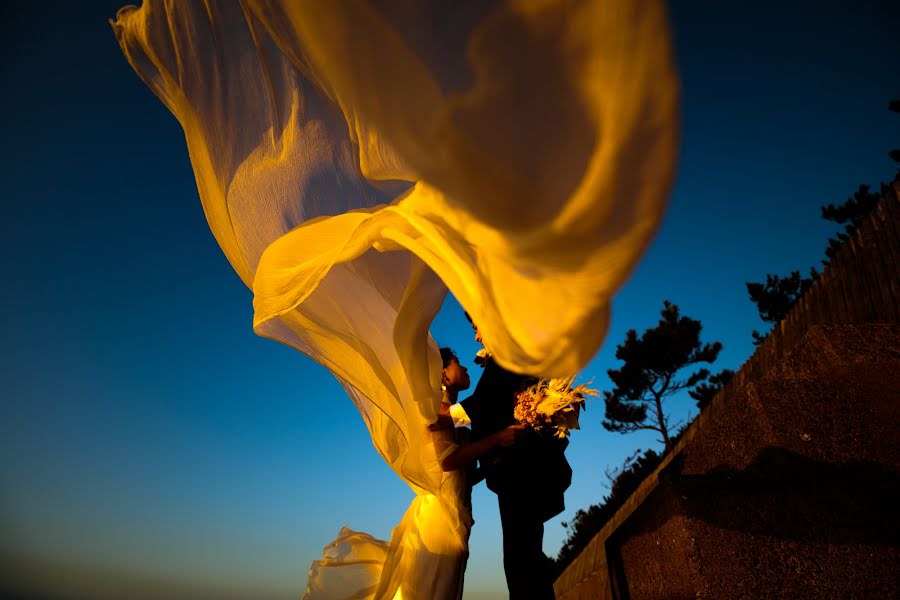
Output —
(784, 486)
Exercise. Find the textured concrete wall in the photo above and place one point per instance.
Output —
(790, 491)
(784, 486)
(587, 578)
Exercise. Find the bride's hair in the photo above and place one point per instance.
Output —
(447, 355)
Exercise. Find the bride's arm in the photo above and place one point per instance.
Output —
(469, 453)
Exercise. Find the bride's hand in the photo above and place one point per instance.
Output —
(443, 422)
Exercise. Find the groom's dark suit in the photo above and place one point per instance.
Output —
(529, 479)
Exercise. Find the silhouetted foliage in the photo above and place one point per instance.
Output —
(852, 213)
(588, 522)
(776, 297)
(894, 106)
(648, 375)
(705, 392)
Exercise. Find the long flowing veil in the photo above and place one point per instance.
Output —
(355, 160)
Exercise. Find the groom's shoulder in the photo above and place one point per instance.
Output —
(494, 378)
(511, 380)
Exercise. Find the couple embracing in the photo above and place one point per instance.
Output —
(528, 471)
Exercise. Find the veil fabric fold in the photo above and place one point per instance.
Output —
(357, 160)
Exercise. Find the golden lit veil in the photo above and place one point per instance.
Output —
(357, 159)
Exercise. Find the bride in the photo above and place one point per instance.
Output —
(441, 574)
(357, 160)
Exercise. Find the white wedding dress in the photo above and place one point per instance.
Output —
(357, 159)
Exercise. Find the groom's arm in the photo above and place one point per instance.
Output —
(473, 408)
(465, 455)
(459, 415)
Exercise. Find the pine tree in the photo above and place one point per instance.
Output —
(705, 392)
(852, 212)
(776, 297)
(894, 106)
(650, 372)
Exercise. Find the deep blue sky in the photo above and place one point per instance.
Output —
(148, 437)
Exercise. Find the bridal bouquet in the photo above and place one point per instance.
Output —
(552, 405)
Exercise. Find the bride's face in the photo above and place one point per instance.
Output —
(456, 376)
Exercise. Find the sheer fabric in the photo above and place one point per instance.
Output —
(357, 159)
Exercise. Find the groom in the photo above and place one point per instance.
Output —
(529, 478)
